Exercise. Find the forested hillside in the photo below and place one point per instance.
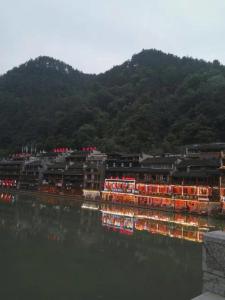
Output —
(153, 101)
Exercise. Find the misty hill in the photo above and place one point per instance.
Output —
(153, 101)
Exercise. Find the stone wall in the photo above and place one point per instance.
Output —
(214, 263)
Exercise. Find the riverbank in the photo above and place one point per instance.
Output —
(66, 199)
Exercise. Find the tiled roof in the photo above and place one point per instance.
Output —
(159, 160)
(208, 147)
(140, 170)
(199, 163)
(196, 174)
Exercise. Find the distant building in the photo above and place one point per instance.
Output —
(212, 150)
(94, 174)
(66, 173)
(159, 169)
(152, 170)
(119, 165)
(197, 172)
(10, 171)
(197, 175)
(77, 157)
(53, 177)
(31, 175)
(73, 178)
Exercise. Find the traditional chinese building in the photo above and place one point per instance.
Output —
(120, 165)
(74, 178)
(78, 156)
(170, 197)
(198, 172)
(31, 175)
(159, 169)
(53, 177)
(149, 170)
(190, 185)
(10, 172)
(212, 150)
(94, 175)
(115, 160)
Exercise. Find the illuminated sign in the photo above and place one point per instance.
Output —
(61, 150)
(88, 148)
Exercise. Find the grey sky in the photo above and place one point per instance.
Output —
(94, 35)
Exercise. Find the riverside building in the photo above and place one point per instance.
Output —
(192, 183)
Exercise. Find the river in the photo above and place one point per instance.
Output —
(86, 251)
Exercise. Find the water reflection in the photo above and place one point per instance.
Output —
(7, 198)
(56, 249)
(127, 220)
(50, 215)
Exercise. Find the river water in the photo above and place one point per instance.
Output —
(87, 251)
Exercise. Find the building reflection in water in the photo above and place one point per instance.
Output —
(25, 217)
(80, 250)
(7, 198)
(53, 218)
(127, 220)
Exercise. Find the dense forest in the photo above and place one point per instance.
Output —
(155, 101)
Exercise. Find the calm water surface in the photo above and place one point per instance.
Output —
(87, 252)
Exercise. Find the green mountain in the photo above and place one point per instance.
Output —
(153, 101)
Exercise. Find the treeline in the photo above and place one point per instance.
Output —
(153, 102)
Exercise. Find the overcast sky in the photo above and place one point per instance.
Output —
(94, 35)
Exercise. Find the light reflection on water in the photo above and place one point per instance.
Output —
(87, 251)
(187, 227)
